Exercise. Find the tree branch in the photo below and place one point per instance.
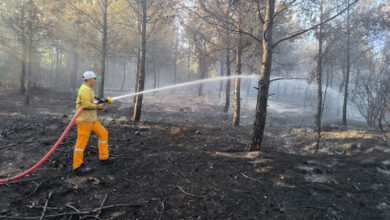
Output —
(313, 27)
(224, 21)
(282, 78)
(284, 8)
(259, 12)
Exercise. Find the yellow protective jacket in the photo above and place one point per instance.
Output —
(85, 98)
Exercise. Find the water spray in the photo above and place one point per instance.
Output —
(185, 84)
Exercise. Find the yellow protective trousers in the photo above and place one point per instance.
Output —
(84, 129)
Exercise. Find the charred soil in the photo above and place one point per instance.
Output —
(183, 164)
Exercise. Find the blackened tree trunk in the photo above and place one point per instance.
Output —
(124, 72)
(237, 84)
(104, 50)
(380, 119)
(221, 74)
(175, 58)
(30, 48)
(75, 68)
(228, 83)
(57, 68)
(23, 65)
(60, 65)
(24, 55)
(141, 75)
(248, 89)
(348, 70)
(264, 81)
(200, 70)
(158, 78)
(318, 117)
(137, 73)
(189, 62)
(154, 64)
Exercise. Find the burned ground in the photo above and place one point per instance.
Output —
(183, 162)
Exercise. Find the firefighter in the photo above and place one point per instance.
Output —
(87, 122)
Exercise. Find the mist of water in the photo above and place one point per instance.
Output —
(186, 84)
(296, 98)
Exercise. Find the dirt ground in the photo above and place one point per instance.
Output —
(185, 161)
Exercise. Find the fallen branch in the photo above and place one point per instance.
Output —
(101, 206)
(46, 204)
(189, 194)
(36, 188)
(90, 216)
(48, 208)
(256, 180)
(163, 209)
(357, 188)
(73, 208)
(81, 212)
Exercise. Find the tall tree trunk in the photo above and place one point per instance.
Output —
(318, 116)
(52, 71)
(175, 58)
(264, 81)
(221, 73)
(141, 77)
(75, 68)
(342, 85)
(154, 64)
(348, 70)
(305, 102)
(158, 78)
(24, 57)
(104, 50)
(60, 65)
(189, 62)
(237, 85)
(228, 82)
(138, 67)
(248, 89)
(200, 70)
(30, 48)
(380, 119)
(23, 64)
(57, 68)
(124, 73)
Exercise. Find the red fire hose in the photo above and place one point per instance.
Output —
(48, 154)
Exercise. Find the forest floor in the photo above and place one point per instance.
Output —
(185, 161)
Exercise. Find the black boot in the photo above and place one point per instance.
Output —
(81, 170)
(110, 160)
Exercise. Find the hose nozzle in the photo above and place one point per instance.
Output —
(99, 100)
